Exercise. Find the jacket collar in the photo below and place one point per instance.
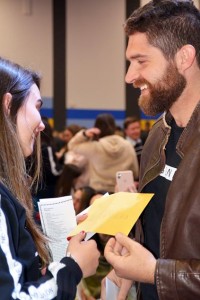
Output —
(189, 132)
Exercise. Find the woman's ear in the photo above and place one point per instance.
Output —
(7, 102)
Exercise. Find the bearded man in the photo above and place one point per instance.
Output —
(164, 54)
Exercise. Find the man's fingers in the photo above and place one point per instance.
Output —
(110, 245)
(117, 248)
(109, 250)
(123, 240)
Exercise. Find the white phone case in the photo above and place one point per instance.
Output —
(124, 180)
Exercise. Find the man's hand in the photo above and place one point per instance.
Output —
(137, 263)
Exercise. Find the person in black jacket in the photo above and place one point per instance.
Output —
(51, 167)
(25, 268)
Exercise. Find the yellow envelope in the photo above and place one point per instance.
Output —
(114, 213)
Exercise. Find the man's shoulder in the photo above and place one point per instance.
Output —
(160, 126)
(159, 122)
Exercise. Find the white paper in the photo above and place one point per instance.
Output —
(57, 219)
(88, 234)
(112, 290)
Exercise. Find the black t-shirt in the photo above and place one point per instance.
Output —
(152, 216)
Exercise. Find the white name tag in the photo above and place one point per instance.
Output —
(168, 172)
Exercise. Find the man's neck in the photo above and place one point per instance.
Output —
(183, 108)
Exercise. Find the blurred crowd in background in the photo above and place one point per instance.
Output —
(83, 162)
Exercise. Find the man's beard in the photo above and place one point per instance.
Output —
(162, 94)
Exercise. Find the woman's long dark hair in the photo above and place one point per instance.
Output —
(13, 171)
(106, 124)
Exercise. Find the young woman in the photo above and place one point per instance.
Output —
(23, 248)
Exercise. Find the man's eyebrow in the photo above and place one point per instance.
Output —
(136, 56)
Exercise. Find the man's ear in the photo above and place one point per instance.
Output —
(185, 57)
(7, 98)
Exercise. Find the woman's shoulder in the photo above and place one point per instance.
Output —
(8, 202)
(5, 192)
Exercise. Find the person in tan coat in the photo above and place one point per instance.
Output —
(106, 152)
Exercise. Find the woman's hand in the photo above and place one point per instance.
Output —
(92, 132)
(85, 253)
(81, 218)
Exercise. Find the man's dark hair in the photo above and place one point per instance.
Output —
(130, 120)
(168, 25)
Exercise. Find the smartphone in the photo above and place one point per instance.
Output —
(125, 180)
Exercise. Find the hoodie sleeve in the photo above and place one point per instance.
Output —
(20, 276)
(81, 144)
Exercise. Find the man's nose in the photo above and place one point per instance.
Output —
(132, 74)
